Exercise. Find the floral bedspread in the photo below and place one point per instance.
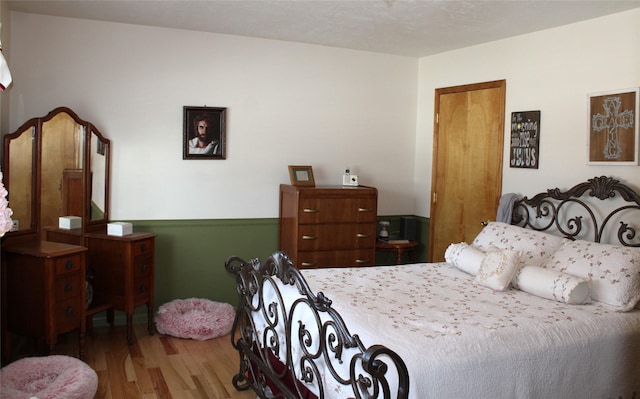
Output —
(460, 339)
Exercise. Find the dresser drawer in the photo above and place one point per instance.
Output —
(318, 237)
(68, 264)
(142, 266)
(67, 286)
(68, 315)
(334, 210)
(347, 258)
(143, 247)
(141, 289)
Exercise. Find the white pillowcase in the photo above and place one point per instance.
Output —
(535, 246)
(464, 257)
(498, 268)
(553, 284)
(614, 270)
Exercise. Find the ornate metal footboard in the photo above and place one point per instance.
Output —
(293, 344)
(575, 214)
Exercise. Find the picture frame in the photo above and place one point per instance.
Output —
(524, 151)
(204, 133)
(301, 175)
(613, 136)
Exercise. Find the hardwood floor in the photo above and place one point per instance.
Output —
(157, 366)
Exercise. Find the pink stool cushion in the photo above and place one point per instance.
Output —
(195, 318)
(48, 377)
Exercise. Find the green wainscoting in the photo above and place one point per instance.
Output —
(190, 255)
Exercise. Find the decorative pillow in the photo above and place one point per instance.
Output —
(464, 257)
(535, 246)
(498, 268)
(553, 284)
(614, 270)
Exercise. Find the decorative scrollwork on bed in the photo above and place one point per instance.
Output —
(301, 347)
(570, 213)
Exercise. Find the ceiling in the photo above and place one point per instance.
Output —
(413, 28)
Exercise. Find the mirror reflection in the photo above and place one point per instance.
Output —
(57, 165)
(61, 169)
(20, 176)
(99, 150)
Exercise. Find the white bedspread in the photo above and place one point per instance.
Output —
(461, 340)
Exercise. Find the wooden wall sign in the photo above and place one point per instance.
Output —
(525, 139)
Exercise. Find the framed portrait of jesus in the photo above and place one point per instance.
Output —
(204, 133)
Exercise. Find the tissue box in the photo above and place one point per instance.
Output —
(119, 228)
(69, 222)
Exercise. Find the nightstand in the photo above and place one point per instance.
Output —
(399, 247)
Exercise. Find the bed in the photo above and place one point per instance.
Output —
(546, 306)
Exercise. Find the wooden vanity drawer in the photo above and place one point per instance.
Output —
(68, 264)
(142, 288)
(68, 286)
(143, 247)
(142, 266)
(68, 314)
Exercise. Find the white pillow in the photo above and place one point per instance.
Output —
(464, 257)
(535, 246)
(614, 270)
(553, 284)
(498, 268)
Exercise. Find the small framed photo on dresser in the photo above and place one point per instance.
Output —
(301, 175)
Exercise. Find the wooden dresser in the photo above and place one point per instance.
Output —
(333, 226)
(43, 292)
(123, 269)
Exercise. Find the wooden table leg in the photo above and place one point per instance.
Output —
(130, 329)
(150, 318)
(399, 257)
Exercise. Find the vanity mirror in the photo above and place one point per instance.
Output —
(57, 165)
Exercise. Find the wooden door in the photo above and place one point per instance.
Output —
(467, 162)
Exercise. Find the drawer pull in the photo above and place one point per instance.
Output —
(364, 209)
(143, 248)
(68, 265)
(69, 311)
(361, 261)
(308, 264)
(309, 210)
(143, 267)
(360, 235)
(309, 237)
(68, 287)
(142, 289)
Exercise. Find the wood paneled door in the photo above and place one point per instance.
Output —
(467, 162)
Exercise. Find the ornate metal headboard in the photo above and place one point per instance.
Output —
(286, 350)
(577, 215)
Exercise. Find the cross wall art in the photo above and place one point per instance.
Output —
(613, 128)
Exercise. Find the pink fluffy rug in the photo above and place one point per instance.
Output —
(195, 318)
(48, 377)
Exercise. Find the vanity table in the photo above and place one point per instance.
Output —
(43, 292)
(59, 165)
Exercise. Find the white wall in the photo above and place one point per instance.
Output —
(294, 103)
(551, 71)
(287, 104)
